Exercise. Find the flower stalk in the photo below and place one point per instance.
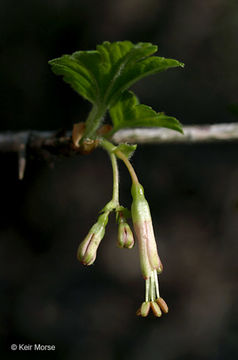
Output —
(87, 250)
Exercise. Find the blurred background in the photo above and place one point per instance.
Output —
(47, 296)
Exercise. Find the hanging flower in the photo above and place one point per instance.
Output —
(149, 259)
(87, 250)
(125, 236)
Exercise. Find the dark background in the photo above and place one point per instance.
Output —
(47, 296)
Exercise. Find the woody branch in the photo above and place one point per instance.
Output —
(59, 141)
(51, 143)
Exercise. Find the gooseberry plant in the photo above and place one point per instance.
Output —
(103, 77)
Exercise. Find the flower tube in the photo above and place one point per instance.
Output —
(149, 259)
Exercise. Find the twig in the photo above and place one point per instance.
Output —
(61, 143)
(48, 144)
(192, 134)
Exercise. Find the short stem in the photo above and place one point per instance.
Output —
(111, 148)
(93, 121)
(130, 168)
(107, 145)
(115, 191)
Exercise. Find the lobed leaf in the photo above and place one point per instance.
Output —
(129, 113)
(101, 75)
(138, 70)
(81, 71)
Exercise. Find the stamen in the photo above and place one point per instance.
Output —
(156, 284)
(152, 287)
(147, 286)
(152, 297)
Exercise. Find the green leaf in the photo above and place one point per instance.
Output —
(139, 70)
(126, 149)
(81, 71)
(102, 75)
(129, 113)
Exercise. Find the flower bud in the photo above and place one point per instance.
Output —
(142, 222)
(125, 236)
(87, 250)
